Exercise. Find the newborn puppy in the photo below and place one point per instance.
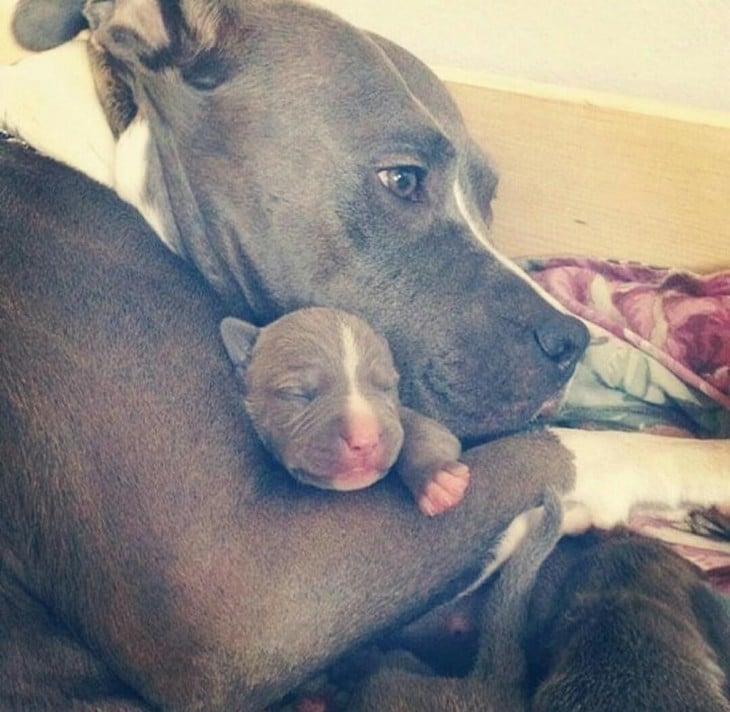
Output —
(624, 624)
(322, 393)
(498, 679)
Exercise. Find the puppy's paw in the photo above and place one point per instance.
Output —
(444, 489)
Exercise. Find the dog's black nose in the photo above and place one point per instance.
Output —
(563, 339)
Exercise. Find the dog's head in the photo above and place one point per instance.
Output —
(298, 161)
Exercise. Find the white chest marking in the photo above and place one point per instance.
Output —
(130, 173)
(49, 100)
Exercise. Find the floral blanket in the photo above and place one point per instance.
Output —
(659, 361)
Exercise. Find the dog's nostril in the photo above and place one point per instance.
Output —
(562, 339)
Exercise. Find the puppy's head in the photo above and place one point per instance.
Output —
(321, 391)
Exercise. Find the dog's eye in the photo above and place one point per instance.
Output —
(406, 182)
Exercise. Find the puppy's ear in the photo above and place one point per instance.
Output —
(239, 338)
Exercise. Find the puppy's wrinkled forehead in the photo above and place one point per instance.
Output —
(319, 341)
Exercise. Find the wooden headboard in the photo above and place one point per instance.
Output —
(592, 174)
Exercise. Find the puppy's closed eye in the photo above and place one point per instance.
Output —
(302, 394)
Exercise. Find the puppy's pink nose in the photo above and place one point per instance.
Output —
(362, 434)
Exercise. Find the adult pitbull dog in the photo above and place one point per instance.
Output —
(152, 553)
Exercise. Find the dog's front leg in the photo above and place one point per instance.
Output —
(49, 101)
(616, 471)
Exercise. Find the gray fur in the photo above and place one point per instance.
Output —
(278, 133)
(624, 623)
(153, 555)
(42, 24)
(498, 681)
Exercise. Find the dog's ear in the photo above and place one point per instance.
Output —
(161, 33)
(132, 30)
(239, 338)
(43, 24)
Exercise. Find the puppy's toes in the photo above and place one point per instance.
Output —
(445, 489)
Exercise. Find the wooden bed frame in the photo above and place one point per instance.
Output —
(590, 174)
(594, 174)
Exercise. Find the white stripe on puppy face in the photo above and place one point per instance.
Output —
(356, 401)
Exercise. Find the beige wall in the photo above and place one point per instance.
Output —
(676, 51)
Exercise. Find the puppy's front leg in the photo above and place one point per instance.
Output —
(49, 100)
(615, 471)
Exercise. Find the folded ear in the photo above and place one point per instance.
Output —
(187, 34)
(133, 29)
(239, 338)
(43, 24)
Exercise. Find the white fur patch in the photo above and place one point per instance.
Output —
(616, 471)
(509, 542)
(474, 225)
(49, 100)
(130, 173)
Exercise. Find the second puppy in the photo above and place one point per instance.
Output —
(624, 624)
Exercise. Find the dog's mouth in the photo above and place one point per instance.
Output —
(330, 465)
(552, 405)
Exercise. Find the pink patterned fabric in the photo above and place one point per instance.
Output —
(680, 319)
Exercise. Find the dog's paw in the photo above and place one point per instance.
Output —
(444, 489)
(577, 519)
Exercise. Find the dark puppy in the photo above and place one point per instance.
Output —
(321, 390)
(498, 680)
(624, 624)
